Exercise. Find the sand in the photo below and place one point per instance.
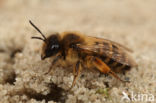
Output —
(22, 78)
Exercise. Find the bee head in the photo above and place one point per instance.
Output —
(51, 44)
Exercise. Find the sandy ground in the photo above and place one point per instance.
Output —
(22, 79)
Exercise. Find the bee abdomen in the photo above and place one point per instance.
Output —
(120, 67)
(116, 66)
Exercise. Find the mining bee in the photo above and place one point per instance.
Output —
(83, 51)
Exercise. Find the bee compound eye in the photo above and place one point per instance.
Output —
(54, 46)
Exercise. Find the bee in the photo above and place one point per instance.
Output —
(82, 51)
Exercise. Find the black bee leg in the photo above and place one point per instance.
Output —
(123, 72)
(76, 72)
(53, 63)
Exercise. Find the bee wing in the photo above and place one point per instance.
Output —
(106, 48)
(106, 40)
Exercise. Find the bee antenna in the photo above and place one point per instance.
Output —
(37, 38)
(38, 31)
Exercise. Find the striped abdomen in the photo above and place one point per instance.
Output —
(115, 66)
(114, 56)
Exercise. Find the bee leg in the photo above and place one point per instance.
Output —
(76, 72)
(53, 63)
(101, 66)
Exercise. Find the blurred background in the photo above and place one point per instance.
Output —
(81, 15)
